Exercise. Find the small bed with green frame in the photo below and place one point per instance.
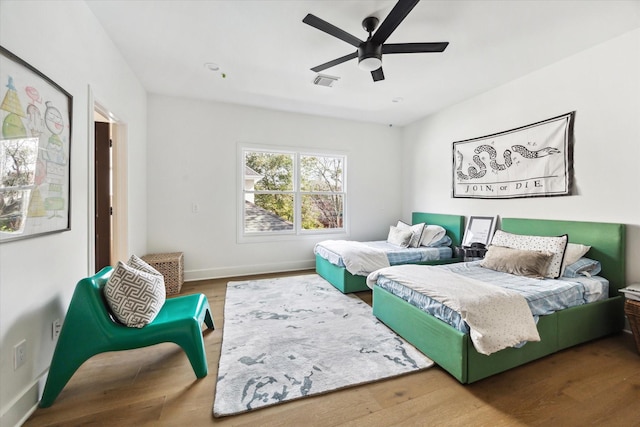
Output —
(346, 282)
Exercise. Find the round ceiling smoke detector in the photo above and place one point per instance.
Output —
(212, 66)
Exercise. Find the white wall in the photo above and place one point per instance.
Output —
(64, 41)
(602, 84)
(192, 158)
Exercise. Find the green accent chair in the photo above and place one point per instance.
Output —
(90, 329)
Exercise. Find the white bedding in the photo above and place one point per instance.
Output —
(358, 258)
(498, 318)
(396, 255)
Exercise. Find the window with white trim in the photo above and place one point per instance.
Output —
(290, 192)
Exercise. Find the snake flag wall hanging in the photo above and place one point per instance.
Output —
(535, 160)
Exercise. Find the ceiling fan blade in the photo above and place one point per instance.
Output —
(391, 22)
(414, 47)
(377, 74)
(335, 62)
(331, 29)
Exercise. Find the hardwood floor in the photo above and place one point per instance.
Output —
(597, 383)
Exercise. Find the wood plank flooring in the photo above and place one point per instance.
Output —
(597, 383)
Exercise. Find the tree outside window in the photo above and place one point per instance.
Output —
(18, 158)
(321, 186)
(291, 192)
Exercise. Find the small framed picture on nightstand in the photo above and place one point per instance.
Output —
(479, 229)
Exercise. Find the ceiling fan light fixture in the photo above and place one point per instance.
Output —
(369, 56)
(370, 64)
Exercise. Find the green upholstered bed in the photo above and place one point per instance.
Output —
(347, 282)
(454, 351)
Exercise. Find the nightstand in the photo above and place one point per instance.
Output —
(469, 253)
(632, 311)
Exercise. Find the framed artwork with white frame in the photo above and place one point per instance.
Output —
(479, 229)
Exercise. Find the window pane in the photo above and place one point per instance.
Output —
(270, 212)
(319, 173)
(322, 211)
(268, 171)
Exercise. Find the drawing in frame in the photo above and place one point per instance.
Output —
(35, 146)
(479, 229)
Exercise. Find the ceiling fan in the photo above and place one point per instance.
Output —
(370, 52)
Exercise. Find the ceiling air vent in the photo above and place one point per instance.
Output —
(324, 80)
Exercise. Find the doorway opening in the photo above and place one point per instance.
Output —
(103, 188)
(108, 189)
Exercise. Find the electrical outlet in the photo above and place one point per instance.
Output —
(19, 354)
(56, 326)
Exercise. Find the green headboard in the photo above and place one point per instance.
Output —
(607, 241)
(454, 224)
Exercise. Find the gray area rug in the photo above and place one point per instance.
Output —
(293, 337)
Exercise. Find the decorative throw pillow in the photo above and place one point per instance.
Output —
(556, 245)
(416, 232)
(432, 235)
(516, 261)
(399, 237)
(140, 264)
(574, 252)
(135, 292)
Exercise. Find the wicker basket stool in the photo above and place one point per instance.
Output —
(171, 267)
(632, 310)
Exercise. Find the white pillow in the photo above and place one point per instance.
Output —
(556, 245)
(574, 252)
(399, 237)
(416, 232)
(431, 234)
(135, 292)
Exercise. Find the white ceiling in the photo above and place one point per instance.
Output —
(266, 51)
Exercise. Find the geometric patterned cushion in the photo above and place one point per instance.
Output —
(140, 264)
(135, 292)
(555, 245)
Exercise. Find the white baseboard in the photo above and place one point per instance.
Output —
(247, 270)
(20, 408)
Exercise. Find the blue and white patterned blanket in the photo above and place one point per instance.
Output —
(361, 258)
